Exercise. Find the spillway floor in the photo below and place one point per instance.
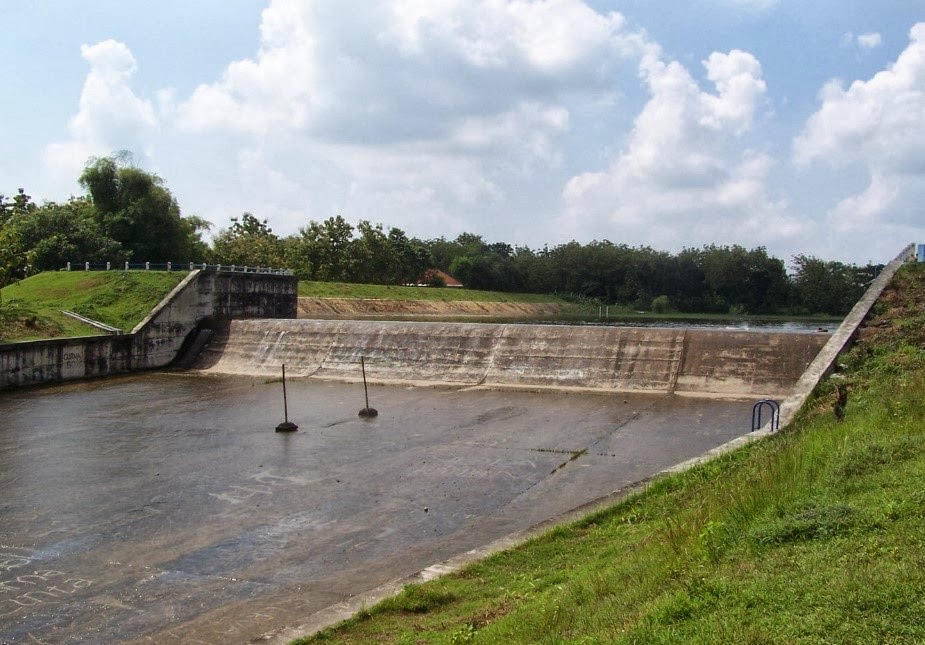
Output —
(165, 508)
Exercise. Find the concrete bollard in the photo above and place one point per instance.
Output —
(147, 266)
(68, 266)
(86, 266)
(108, 266)
(169, 268)
(126, 265)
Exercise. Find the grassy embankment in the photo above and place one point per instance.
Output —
(568, 309)
(391, 292)
(816, 534)
(31, 309)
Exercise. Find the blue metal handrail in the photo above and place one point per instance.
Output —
(775, 414)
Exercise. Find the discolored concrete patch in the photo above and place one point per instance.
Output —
(165, 508)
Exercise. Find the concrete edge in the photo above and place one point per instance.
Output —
(166, 300)
(841, 340)
(818, 369)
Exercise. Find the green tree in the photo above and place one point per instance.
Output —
(371, 255)
(40, 238)
(325, 248)
(55, 234)
(134, 208)
(410, 257)
(248, 242)
(829, 287)
(746, 280)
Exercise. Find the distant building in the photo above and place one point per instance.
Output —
(432, 276)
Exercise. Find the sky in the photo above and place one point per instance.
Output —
(792, 125)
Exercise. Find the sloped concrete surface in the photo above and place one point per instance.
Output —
(164, 508)
(613, 359)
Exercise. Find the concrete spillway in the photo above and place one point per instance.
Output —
(683, 361)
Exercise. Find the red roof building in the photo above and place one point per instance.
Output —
(435, 275)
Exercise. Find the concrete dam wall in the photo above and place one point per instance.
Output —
(684, 361)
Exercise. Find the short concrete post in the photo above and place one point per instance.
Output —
(168, 266)
(108, 266)
(191, 265)
(126, 265)
(86, 266)
(147, 266)
(68, 266)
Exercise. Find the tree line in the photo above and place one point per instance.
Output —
(128, 214)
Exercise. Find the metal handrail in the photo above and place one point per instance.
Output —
(775, 414)
(172, 266)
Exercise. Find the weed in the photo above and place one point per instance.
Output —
(417, 599)
(810, 524)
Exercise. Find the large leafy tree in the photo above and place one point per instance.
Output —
(325, 249)
(248, 242)
(56, 234)
(41, 238)
(829, 287)
(134, 208)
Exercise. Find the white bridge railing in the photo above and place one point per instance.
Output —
(172, 266)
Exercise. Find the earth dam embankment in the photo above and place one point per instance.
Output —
(619, 359)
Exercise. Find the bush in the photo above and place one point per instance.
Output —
(661, 305)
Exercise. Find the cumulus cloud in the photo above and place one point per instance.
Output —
(875, 124)
(109, 117)
(436, 103)
(684, 178)
(408, 70)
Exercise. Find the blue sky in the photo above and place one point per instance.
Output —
(792, 125)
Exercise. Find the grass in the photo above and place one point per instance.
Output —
(814, 535)
(392, 292)
(31, 309)
(569, 309)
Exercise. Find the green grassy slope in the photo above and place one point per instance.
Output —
(32, 308)
(391, 292)
(814, 535)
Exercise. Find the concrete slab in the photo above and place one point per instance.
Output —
(165, 508)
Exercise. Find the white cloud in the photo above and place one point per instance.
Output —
(747, 5)
(110, 116)
(424, 108)
(683, 179)
(877, 125)
(355, 71)
(870, 41)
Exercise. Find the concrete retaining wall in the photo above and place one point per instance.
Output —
(718, 363)
(155, 341)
